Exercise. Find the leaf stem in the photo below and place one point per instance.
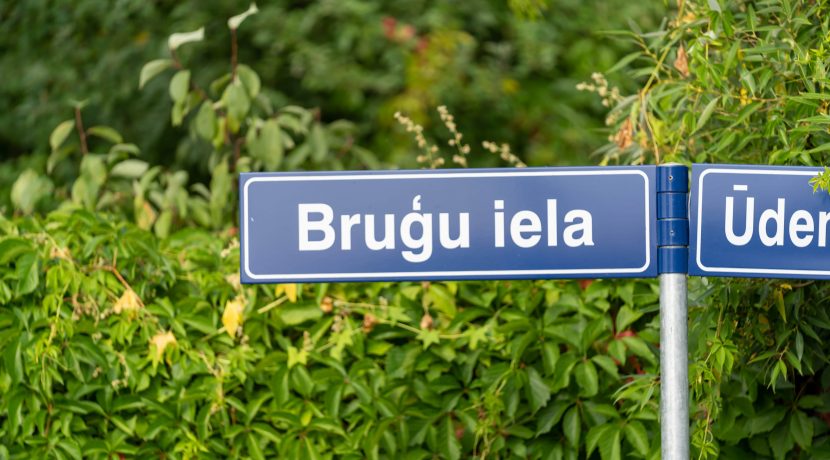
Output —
(79, 126)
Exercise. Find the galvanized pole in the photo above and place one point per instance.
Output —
(674, 367)
(672, 262)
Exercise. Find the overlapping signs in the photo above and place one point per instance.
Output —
(462, 224)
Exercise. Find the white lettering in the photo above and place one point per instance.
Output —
(552, 236)
(322, 225)
(518, 227)
(346, 224)
(498, 205)
(585, 226)
(424, 243)
(463, 240)
(388, 241)
(796, 227)
(775, 215)
(750, 219)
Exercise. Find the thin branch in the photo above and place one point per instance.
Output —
(79, 126)
(234, 47)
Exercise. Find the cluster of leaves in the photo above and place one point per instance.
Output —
(118, 343)
(742, 82)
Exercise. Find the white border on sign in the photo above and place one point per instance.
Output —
(381, 275)
(760, 271)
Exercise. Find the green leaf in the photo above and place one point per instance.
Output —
(153, 69)
(130, 169)
(13, 361)
(538, 390)
(179, 86)
(707, 112)
(448, 444)
(180, 38)
(205, 123)
(636, 435)
(237, 102)
(594, 435)
(106, 132)
(60, 133)
(799, 345)
(626, 316)
(292, 315)
(607, 364)
(235, 21)
(249, 79)
(220, 189)
(27, 273)
(318, 144)
(587, 379)
(268, 146)
(29, 189)
(550, 355)
(310, 451)
(550, 416)
(572, 426)
(801, 428)
(254, 450)
(428, 337)
(609, 444)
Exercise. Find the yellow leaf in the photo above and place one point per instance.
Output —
(232, 317)
(290, 291)
(127, 303)
(296, 356)
(233, 280)
(159, 343)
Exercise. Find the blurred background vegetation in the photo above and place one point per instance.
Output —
(508, 70)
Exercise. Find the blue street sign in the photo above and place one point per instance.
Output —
(758, 221)
(448, 224)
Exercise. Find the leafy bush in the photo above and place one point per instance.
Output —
(118, 343)
(743, 82)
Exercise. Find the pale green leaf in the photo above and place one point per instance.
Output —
(179, 85)
(131, 169)
(180, 38)
(235, 21)
(60, 133)
(106, 132)
(153, 69)
(706, 114)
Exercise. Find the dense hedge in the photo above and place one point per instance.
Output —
(117, 343)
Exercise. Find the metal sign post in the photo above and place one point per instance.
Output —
(674, 368)
(673, 255)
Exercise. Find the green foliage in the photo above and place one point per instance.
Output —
(113, 345)
(742, 82)
(510, 77)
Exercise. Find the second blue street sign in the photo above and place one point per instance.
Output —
(464, 224)
(758, 221)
